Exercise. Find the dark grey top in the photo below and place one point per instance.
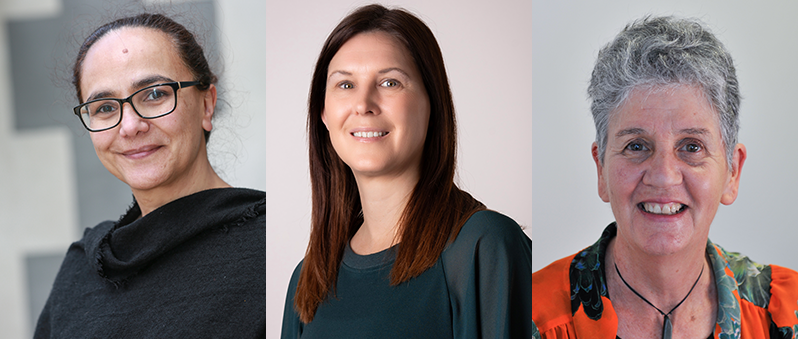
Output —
(481, 287)
(193, 268)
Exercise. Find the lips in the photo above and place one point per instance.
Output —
(141, 152)
(662, 209)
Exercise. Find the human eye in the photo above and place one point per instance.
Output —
(692, 150)
(103, 108)
(636, 146)
(691, 147)
(389, 83)
(155, 94)
(345, 85)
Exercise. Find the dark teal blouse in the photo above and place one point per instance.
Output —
(481, 287)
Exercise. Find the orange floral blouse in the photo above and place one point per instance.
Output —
(570, 298)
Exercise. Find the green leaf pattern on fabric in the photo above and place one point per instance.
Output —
(586, 274)
(753, 280)
(728, 308)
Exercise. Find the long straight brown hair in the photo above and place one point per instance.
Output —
(436, 210)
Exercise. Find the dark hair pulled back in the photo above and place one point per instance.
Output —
(189, 51)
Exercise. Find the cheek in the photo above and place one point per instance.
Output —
(101, 140)
(704, 189)
(622, 180)
(331, 115)
(419, 115)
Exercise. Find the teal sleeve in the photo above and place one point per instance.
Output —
(292, 326)
(489, 272)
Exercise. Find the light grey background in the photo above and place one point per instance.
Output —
(52, 185)
(567, 213)
(487, 50)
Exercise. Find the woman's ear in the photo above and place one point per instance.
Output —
(209, 102)
(602, 185)
(738, 159)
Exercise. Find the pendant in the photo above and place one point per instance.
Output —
(667, 328)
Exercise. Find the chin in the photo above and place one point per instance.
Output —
(368, 168)
(663, 244)
(143, 182)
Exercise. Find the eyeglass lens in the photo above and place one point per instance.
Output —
(150, 102)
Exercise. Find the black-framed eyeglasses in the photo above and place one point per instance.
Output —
(149, 102)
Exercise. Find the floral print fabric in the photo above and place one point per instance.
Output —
(738, 280)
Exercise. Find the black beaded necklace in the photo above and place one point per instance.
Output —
(667, 327)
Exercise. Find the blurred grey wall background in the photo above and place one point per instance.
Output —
(51, 184)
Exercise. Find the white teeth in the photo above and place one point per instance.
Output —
(666, 209)
(369, 134)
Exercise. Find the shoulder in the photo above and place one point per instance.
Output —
(98, 231)
(292, 284)
(754, 280)
(488, 238)
(92, 236)
(555, 276)
(295, 275)
(488, 268)
(770, 287)
(551, 307)
(228, 199)
(783, 307)
(292, 326)
(254, 201)
(489, 228)
(234, 206)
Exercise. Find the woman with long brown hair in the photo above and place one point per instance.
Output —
(396, 249)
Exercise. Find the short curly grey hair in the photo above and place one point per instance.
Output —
(663, 51)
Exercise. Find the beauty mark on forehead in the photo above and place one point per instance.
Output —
(124, 51)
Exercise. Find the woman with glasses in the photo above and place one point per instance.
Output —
(396, 249)
(187, 259)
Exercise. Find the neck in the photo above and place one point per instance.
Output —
(383, 200)
(201, 177)
(664, 280)
(667, 277)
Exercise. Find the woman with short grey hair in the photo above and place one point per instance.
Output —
(665, 103)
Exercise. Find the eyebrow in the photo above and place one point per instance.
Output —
(105, 94)
(695, 131)
(382, 71)
(338, 72)
(392, 69)
(638, 131)
(634, 131)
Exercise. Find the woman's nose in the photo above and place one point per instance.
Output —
(132, 124)
(367, 101)
(664, 170)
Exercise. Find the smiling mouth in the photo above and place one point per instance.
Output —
(369, 134)
(662, 209)
(140, 152)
